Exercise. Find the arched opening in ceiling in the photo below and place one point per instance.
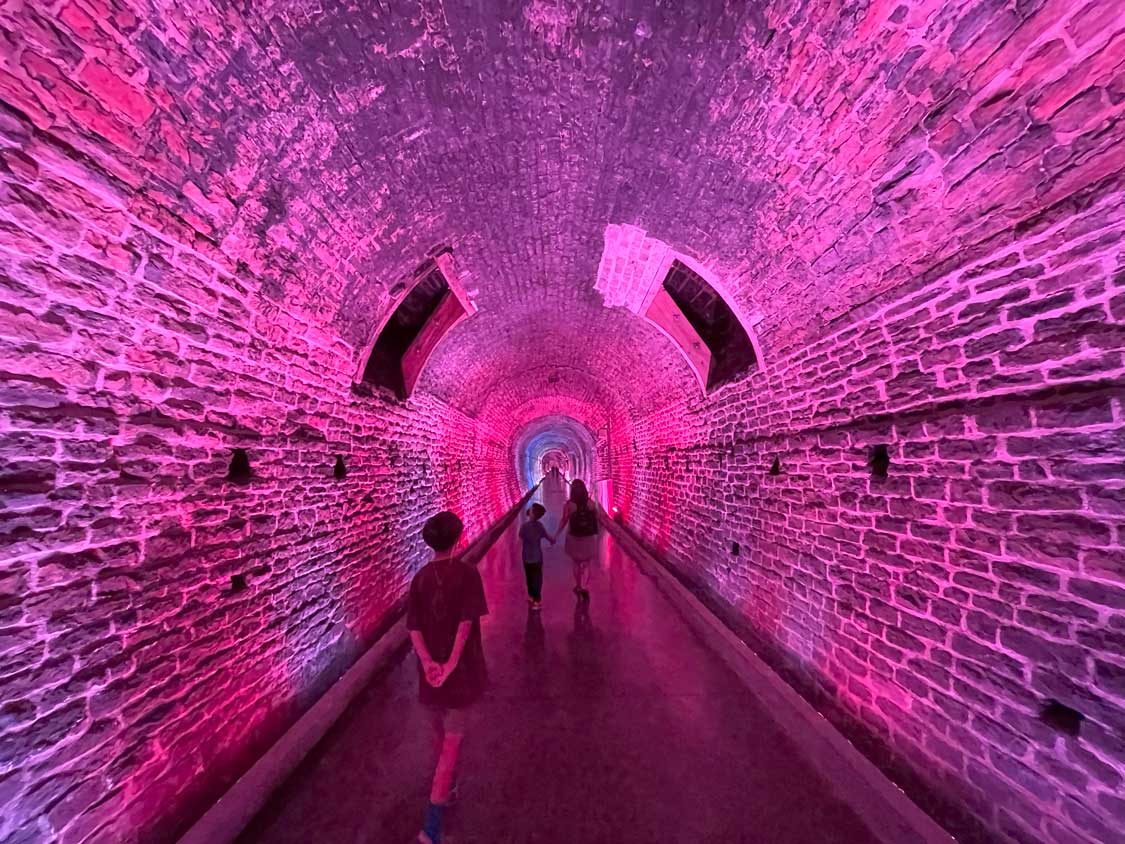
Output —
(686, 299)
(433, 303)
(711, 326)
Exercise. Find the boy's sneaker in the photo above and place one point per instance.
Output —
(431, 825)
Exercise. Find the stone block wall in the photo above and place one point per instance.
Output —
(941, 273)
(205, 211)
(939, 612)
(161, 622)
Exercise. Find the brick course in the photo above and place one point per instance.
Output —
(162, 624)
(206, 212)
(971, 586)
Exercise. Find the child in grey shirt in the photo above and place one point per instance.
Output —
(532, 533)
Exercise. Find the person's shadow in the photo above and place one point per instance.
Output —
(534, 638)
(583, 625)
(587, 660)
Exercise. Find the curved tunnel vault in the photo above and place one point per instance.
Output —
(831, 301)
(559, 441)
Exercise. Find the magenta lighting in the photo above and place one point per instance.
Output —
(819, 305)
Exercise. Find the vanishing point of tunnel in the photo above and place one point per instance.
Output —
(824, 302)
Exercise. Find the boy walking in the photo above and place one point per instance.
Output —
(443, 613)
(532, 533)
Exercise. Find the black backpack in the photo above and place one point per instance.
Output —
(583, 521)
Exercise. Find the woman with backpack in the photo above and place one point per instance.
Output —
(581, 520)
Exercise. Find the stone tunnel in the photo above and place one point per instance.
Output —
(824, 301)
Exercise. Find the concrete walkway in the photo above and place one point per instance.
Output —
(612, 724)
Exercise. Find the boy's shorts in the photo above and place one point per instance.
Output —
(447, 720)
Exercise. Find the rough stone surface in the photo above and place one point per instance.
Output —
(207, 207)
(161, 623)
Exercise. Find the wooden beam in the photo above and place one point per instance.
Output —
(448, 312)
(668, 317)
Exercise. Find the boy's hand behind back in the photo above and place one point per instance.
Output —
(446, 670)
(435, 674)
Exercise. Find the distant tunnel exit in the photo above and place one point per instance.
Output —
(823, 303)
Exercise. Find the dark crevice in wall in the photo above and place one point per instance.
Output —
(239, 471)
(1062, 718)
(879, 461)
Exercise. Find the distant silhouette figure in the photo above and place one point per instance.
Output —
(443, 611)
(581, 522)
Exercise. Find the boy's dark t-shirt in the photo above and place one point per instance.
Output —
(442, 595)
(532, 533)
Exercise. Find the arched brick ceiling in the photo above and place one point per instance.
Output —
(209, 205)
(812, 157)
(510, 404)
(553, 432)
(495, 362)
(513, 138)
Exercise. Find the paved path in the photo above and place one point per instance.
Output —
(614, 724)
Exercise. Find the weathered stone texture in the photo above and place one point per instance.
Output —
(161, 623)
(961, 220)
(973, 585)
(937, 610)
(206, 208)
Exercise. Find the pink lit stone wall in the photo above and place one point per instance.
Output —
(137, 669)
(943, 274)
(160, 625)
(937, 610)
(206, 212)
